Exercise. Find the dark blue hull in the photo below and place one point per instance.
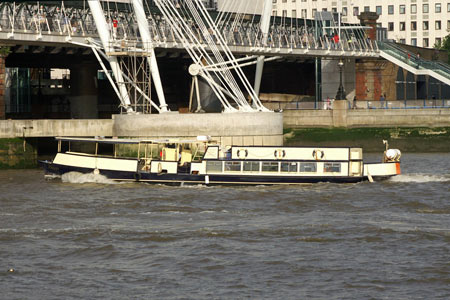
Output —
(187, 178)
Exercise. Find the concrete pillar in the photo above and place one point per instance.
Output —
(83, 92)
(340, 108)
(2, 86)
(368, 18)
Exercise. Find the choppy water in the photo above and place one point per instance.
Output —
(82, 238)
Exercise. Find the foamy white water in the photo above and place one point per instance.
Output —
(77, 177)
(420, 178)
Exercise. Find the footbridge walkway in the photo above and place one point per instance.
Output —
(59, 25)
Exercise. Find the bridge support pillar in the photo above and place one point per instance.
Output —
(368, 18)
(2, 86)
(83, 92)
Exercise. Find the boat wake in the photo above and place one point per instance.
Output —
(77, 177)
(420, 178)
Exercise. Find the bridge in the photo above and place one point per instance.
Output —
(54, 24)
(51, 26)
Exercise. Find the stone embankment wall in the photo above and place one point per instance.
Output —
(17, 154)
(341, 117)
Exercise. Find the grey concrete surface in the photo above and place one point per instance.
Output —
(341, 117)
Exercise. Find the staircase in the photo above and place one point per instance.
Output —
(413, 63)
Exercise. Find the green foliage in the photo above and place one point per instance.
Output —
(5, 51)
(444, 45)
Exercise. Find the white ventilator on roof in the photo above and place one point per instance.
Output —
(195, 28)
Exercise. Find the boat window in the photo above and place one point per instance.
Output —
(290, 167)
(233, 166)
(213, 166)
(332, 167)
(308, 167)
(270, 167)
(251, 166)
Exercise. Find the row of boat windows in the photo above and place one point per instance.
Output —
(258, 166)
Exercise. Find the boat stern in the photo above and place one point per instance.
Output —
(382, 170)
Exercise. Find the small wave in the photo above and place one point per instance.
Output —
(420, 178)
(77, 177)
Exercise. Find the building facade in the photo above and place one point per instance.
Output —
(420, 23)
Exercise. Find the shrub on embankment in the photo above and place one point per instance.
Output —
(371, 139)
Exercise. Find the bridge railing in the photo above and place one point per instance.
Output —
(361, 104)
(56, 19)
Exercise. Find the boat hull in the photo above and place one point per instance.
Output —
(211, 179)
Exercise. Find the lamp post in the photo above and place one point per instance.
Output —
(340, 93)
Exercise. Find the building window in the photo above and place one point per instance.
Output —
(448, 7)
(304, 13)
(425, 43)
(314, 12)
(391, 26)
(284, 13)
(344, 11)
(378, 10)
(425, 25)
(414, 25)
(438, 25)
(274, 1)
(402, 26)
(402, 41)
(402, 9)
(284, 1)
(294, 14)
(448, 24)
(324, 9)
(356, 11)
(438, 41)
(437, 7)
(414, 42)
(391, 9)
(413, 8)
(426, 8)
(366, 8)
(334, 9)
(274, 13)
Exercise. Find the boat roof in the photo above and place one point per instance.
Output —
(104, 140)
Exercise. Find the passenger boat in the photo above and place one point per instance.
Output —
(203, 161)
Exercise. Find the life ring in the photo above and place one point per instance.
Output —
(318, 154)
(238, 153)
(279, 153)
(137, 176)
(159, 167)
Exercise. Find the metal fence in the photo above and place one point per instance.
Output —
(325, 105)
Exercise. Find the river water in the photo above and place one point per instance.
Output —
(87, 238)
